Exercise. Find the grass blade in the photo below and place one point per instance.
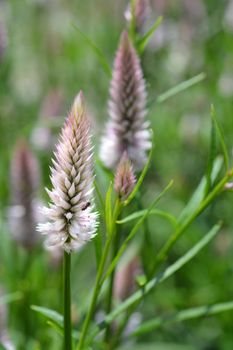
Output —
(108, 208)
(221, 138)
(181, 87)
(140, 180)
(196, 312)
(9, 298)
(142, 42)
(99, 54)
(212, 156)
(200, 192)
(140, 213)
(51, 315)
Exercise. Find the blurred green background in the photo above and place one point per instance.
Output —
(44, 62)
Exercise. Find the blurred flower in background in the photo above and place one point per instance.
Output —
(141, 14)
(125, 278)
(42, 135)
(25, 182)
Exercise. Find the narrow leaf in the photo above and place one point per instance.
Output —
(200, 192)
(211, 158)
(51, 315)
(98, 247)
(142, 42)
(99, 194)
(140, 180)
(196, 312)
(56, 327)
(181, 87)
(132, 27)
(9, 298)
(221, 138)
(108, 208)
(140, 213)
(99, 54)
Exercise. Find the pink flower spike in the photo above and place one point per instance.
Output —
(127, 129)
(25, 182)
(72, 220)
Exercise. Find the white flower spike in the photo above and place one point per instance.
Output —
(72, 219)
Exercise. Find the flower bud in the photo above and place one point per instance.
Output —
(124, 179)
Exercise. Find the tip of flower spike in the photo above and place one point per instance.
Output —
(124, 41)
(78, 106)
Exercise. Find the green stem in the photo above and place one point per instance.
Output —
(111, 285)
(162, 255)
(99, 281)
(67, 302)
(95, 295)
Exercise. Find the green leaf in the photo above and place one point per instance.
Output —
(99, 54)
(211, 158)
(132, 26)
(140, 294)
(99, 194)
(108, 208)
(196, 312)
(200, 192)
(140, 213)
(9, 298)
(140, 180)
(134, 231)
(156, 346)
(51, 315)
(221, 138)
(59, 330)
(142, 42)
(56, 327)
(98, 247)
(181, 87)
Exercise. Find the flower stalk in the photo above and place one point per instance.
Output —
(67, 302)
(100, 273)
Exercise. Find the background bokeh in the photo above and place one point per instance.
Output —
(44, 62)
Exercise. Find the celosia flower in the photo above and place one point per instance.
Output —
(141, 13)
(124, 179)
(25, 181)
(124, 283)
(72, 220)
(43, 136)
(127, 129)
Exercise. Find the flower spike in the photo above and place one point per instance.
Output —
(25, 182)
(127, 129)
(72, 220)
